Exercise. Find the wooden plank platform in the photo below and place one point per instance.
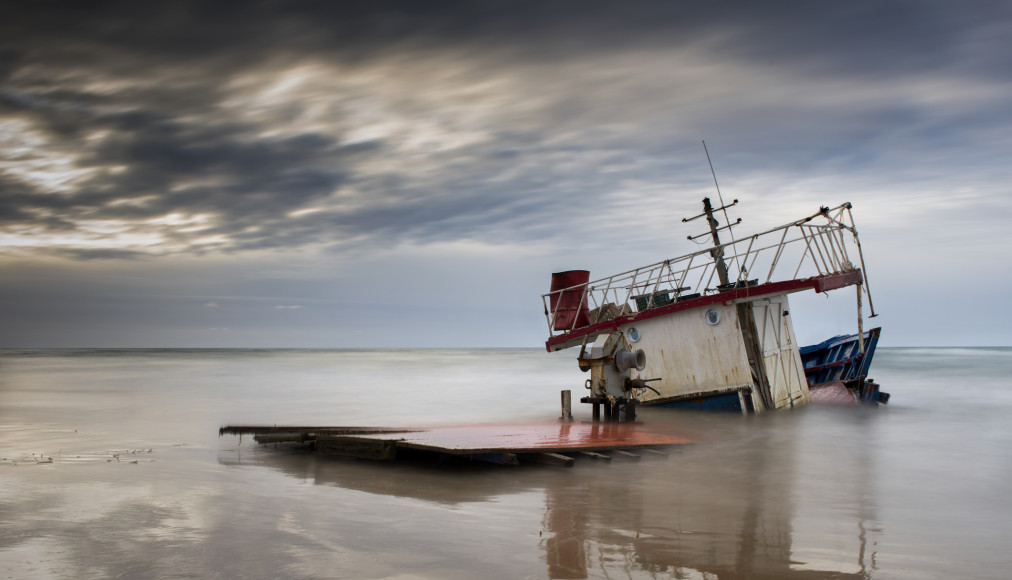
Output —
(494, 443)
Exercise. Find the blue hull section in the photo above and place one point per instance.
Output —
(839, 359)
(724, 402)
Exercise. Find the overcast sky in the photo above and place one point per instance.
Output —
(303, 174)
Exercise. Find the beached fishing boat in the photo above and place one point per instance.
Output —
(677, 333)
(713, 329)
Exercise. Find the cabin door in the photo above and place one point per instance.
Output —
(782, 360)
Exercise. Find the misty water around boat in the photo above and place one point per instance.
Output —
(141, 485)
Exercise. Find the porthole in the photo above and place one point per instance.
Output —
(633, 334)
(712, 317)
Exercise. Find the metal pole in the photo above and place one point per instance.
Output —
(718, 252)
(860, 255)
(860, 322)
(734, 244)
(567, 406)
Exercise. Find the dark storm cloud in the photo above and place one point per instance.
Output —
(330, 151)
(139, 96)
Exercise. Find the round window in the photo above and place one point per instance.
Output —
(712, 317)
(633, 334)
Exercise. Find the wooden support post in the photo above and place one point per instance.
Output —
(630, 411)
(753, 349)
(616, 412)
(596, 412)
(596, 455)
(555, 458)
(567, 406)
(626, 454)
(648, 450)
(350, 446)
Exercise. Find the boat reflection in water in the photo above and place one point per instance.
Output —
(737, 505)
(732, 515)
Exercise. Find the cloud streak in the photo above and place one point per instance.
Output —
(137, 133)
(307, 124)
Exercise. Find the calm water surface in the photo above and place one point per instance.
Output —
(140, 485)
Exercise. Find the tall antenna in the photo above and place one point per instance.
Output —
(727, 220)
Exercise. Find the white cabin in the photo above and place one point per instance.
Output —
(729, 345)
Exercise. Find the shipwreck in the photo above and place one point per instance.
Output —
(713, 329)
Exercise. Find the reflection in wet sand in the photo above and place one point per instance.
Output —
(723, 510)
(917, 489)
(688, 517)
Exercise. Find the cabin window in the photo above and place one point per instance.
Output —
(712, 317)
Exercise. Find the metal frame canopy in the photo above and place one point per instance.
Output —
(815, 252)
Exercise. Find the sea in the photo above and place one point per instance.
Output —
(111, 466)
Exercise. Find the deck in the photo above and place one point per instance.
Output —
(820, 283)
(821, 252)
(504, 444)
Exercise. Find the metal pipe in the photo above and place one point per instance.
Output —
(831, 242)
(864, 271)
(685, 274)
(604, 300)
(632, 284)
(710, 279)
(801, 263)
(755, 258)
(544, 302)
(657, 284)
(776, 257)
(815, 261)
(745, 259)
(567, 406)
(843, 247)
(820, 244)
(860, 323)
(555, 311)
(583, 298)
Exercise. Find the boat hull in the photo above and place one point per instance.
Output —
(840, 361)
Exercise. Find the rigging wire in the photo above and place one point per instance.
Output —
(727, 220)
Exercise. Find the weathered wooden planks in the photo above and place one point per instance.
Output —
(506, 444)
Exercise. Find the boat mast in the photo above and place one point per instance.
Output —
(718, 252)
(746, 317)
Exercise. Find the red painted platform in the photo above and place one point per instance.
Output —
(472, 440)
(551, 437)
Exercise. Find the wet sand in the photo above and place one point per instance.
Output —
(141, 486)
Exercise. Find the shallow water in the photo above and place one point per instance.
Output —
(140, 485)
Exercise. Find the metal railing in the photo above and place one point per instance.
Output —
(815, 245)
